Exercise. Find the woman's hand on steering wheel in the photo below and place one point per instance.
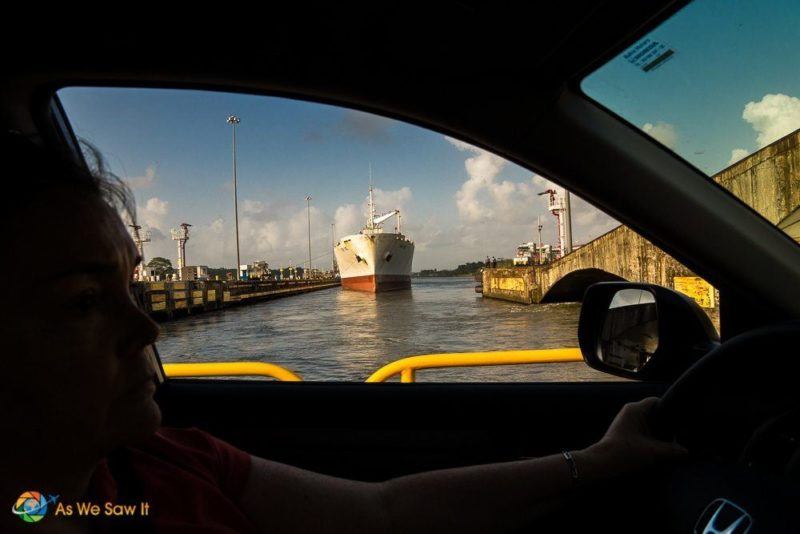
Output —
(629, 445)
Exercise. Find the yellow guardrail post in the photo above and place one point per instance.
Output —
(407, 375)
(407, 367)
(230, 369)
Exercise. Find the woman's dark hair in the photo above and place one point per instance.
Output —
(32, 170)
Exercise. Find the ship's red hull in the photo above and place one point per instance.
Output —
(377, 283)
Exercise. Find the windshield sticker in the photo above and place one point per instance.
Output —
(649, 54)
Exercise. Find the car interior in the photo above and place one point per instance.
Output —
(505, 78)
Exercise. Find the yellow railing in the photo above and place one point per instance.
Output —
(230, 369)
(406, 367)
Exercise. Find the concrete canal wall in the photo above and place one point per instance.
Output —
(168, 300)
(768, 181)
(621, 254)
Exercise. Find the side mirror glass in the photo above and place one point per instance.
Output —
(629, 336)
(642, 331)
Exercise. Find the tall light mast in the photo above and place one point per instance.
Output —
(140, 239)
(539, 250)
(308, 210)
(181, 235)
(233, 120)
(333, 245)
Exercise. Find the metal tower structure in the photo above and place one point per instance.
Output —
(559, 205)
(140, 239)
(181, 235)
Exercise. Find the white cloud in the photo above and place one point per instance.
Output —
(391, 200)
(348, 220)
(157, 206)
(153, 216)
(144, 181)
(773, 117)
(484, 198)
(252, 206)
(496, 215)
(588, 222)
(482, 168)
(662, 132)
(277, 231)
(737, 154)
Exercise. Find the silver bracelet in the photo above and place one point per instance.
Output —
(573, 467)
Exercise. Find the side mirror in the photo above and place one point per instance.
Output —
(642, 331)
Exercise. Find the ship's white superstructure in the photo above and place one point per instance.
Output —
(374, 260)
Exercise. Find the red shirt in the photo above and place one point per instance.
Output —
(191, 480)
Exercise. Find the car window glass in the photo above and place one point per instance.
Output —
(328, 197)
(718, 84)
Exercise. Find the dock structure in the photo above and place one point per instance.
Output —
(169, 300)
(767, 180)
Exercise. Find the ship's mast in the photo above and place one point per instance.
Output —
(370, 221)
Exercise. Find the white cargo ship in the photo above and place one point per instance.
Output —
(373, 260)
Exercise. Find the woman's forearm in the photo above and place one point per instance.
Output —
(483, 498)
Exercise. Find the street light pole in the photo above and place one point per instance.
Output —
(308, 209)
(233, 120)
(333, 246)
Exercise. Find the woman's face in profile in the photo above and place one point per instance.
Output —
(75, 362)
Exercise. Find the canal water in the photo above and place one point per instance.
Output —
(337, 335)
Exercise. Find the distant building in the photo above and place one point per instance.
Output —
(259, 270)
(187, 274)
(530, 254)
(526, 253)
(201, 272)
(148, 274)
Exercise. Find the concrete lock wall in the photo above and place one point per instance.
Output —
(768, 180)
(621, 254)
(515, 284)
(166, 300)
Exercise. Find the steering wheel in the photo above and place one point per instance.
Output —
(717, 405)
(726, 409)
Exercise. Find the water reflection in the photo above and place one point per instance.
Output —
(347, 335)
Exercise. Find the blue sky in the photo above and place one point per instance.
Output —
(174, 149)
(731, 87)
(728, 54)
